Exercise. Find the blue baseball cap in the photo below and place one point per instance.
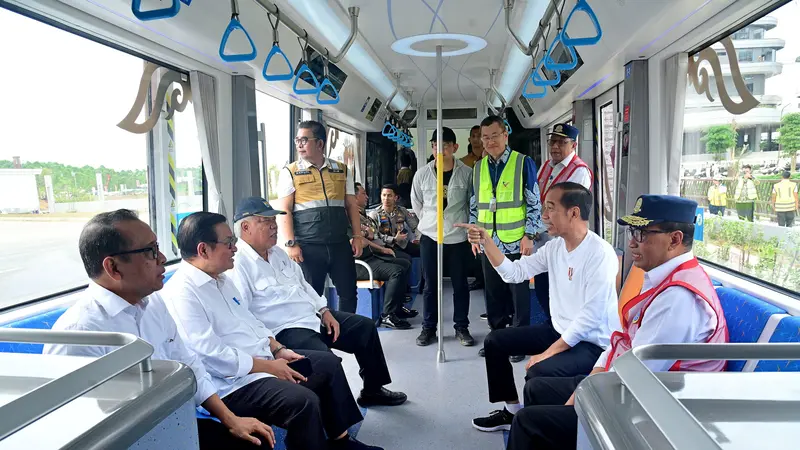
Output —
(655, 209)
(254, 206)
(562, 129)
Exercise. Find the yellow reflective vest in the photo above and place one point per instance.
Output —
(319, 214)
(508, 218)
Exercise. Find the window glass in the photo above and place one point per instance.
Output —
(733, 165)
(274, 114)
(607, 139)
(63, 158)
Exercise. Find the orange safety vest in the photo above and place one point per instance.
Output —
(688, 275)
(544, 175)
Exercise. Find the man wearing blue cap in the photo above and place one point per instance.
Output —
(274, 290)
(677, 304)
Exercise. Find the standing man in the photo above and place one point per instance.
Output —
(746, 194)
(318, 196)
(717, 196)
(784, 200)
(563, 165)
(475, 147)
(505, 202)
(457, 191)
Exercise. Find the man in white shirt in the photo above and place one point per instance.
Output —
(582, 268)
(250, 367)
(274, 290)
(681, 306)
(121, 257)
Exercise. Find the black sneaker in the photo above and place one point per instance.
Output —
(516, 358)
(496, 421)
(427, 337)
(350, 443)
(405, 313)
(381, 397)
(463, 336)
(392, 321)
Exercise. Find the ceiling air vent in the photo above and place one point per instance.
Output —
(454, 114)
(409, 116)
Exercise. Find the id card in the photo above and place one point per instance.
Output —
(493, 205)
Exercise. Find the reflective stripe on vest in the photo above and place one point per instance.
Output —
(547, 169)
(508, 221)
(784, 196)
(319, 213)
(688, 275)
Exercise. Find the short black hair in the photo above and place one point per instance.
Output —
(489, 120)
(575, 195)
(391, 186)
(786, 174)
(476, 127)
(196, 228)
(100, 239)
(686, 228)
(747, 166)
(405, 159)
(317, 129)
(357, 186)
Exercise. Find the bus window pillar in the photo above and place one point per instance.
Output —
(583, 112)
(246, 177)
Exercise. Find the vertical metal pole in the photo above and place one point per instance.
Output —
(440, 357)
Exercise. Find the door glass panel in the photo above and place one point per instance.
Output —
(607, 147)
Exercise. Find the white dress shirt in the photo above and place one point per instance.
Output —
(583, 294)
(674, 317)
(215, 324)
(580, 176)
(99, 309)
(286, 188)
(275, 291)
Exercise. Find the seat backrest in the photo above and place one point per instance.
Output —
(43, 321)
(788, 330)
(746, 317)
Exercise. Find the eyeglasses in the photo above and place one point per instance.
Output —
(230, 242)
(559, 142)
(302, 141)
(493, 137)
(153, 249)
(640, 235)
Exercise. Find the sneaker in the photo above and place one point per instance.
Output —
(427, 337)
(405, 313)
(484, 316)
(381, 397)
(392, 321)
(463, 336)
(496, 421)
(516, 358)
(350, 443)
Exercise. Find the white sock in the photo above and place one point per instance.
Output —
(513, 408)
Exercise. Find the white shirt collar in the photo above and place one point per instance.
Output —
(197, 276)
(564, 162)
(248, 251)
(655, 276)
(303, 164)
(112, 303)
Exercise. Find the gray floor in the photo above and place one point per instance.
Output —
(442, 398)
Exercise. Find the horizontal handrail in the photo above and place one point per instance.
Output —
(41, 401)
(677, 424)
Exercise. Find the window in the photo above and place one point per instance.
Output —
(275, 116)
(742, 231)
(607, 139)
(745, 55)
(63, 158)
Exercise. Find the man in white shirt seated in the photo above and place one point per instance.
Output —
(582, 268)
(121, 257)
(252, 369)
(274, 290)
(681, 306)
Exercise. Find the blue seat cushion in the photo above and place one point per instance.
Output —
(43, 321)
(746, 317)
(788, 330)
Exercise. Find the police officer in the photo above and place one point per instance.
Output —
(318, 195)
(505, 202)
(563, 165)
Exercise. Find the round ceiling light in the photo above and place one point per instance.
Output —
(465, 44)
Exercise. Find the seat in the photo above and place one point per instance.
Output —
(747, 318)
(788, 330)
(43, 321)
(369, 295)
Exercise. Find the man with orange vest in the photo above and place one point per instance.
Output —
(676, 304)
(563, 165)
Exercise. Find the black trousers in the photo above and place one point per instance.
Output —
(786, 219)
(357, 336)
(541, 285)
(746, 210)
(505, 300)
(545, 422)
(336, 260)
(531, 340)
(394, 272)
(457, 257)
(309, 410)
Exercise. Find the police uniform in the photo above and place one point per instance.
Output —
(321, 225)
(676, 304)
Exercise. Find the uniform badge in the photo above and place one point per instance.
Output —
(638, 316)
(571, 272)
(559, 129)
(638, 206)
(303, 172)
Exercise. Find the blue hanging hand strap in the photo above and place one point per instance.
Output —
(583, 6)
(154, 14)
(234, 25)
(388, 129)
(276, 50)
(539, 81)
(187, 2)
(305, 69)
(527, 94)
(508, 126)
(548, 57)
(332, 101)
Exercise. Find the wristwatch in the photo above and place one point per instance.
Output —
(532, 237)
(291, 243)
(322, 311)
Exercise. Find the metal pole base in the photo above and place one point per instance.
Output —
(440, 357)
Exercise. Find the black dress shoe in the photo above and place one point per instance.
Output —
(475, 286)
(381, 397)
(405, 313)
(393, 321)
(482, 353)
(516, 358)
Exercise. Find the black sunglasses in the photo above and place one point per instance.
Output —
(153, 249)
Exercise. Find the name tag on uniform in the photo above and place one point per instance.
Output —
(493, 205)
(335, 170)
(303, 172)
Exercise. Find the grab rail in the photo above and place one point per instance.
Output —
(39, 402)
(671, 417)
(276, 50)
(234, 25)
(155, 14)
(582, 5)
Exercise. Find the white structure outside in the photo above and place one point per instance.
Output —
(18, 191)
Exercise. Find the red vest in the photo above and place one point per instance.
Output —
(688, 275)
(544, 175)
